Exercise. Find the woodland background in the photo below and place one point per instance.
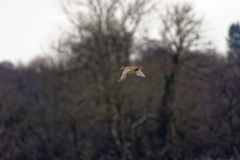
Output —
(70, 106)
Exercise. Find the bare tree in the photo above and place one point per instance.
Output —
(181, 30)
(103, 40)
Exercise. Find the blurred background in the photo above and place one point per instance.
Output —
(60, 62)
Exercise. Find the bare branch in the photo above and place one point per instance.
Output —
(181, 29)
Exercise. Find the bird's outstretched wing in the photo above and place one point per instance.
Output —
(139, 73)
(124, 73)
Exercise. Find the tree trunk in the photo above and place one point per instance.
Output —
(166, 127)
(165, 111)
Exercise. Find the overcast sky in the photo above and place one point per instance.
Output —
(28, 26)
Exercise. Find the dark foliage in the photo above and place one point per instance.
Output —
(187, 107)
(234, 44)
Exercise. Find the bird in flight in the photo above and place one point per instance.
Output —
(131, 69)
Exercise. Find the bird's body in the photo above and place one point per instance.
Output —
(131, 69)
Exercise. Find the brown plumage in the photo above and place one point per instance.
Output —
(131, 69)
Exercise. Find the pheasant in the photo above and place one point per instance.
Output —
(131, 69)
